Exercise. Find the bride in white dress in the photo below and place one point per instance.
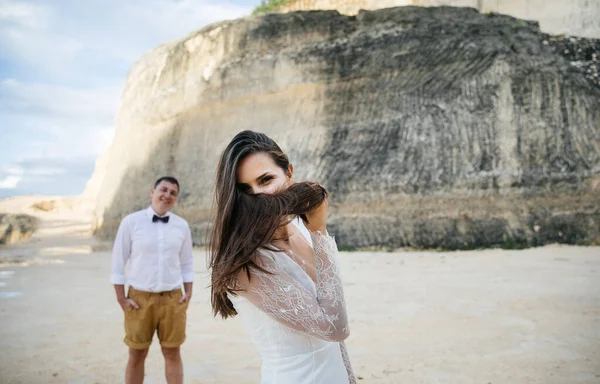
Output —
(279, 273)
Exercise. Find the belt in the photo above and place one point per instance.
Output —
(163, 293)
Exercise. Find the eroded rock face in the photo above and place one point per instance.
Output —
(571, 17)
(431, 127)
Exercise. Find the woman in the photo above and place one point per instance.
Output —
(278, 272)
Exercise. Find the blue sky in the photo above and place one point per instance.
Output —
(63, 64)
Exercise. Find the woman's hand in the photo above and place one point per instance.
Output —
(316, 220)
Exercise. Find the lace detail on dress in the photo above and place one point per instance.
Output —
(351, 378)
(288, 302)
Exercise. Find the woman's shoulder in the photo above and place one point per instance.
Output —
(265, 259)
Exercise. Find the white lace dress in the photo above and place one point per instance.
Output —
(298, 326)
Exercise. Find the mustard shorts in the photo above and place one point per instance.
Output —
(157, 312)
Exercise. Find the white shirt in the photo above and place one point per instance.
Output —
(160, 254)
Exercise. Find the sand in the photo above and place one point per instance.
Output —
(491, 316)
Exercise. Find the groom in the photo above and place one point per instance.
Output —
(158, 246)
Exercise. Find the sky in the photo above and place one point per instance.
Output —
(63, 64)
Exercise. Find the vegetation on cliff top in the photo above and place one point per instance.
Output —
(267, 6)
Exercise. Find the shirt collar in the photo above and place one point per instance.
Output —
(151, 213)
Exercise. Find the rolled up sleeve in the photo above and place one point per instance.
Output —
(121, 253)
(187, 258)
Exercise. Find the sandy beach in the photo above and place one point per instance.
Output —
(490, 316)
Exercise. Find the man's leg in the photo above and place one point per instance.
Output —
(171, 333)
(134, 374)
(173, 365)
(140, 325)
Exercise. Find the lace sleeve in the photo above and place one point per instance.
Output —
(351, 377)
(288, 302)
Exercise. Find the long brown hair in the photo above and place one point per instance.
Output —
(245, 223)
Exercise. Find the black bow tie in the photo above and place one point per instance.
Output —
(164, 219)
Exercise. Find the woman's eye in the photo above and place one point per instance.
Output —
(265, 180)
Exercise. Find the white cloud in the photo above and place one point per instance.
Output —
(10, 176)
(11, 169)
(47, 176)
(28, 36)
(9, 182)
(44, 171)
(24, 14)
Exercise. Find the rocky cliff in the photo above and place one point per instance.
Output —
(571, 17)
(432, 127)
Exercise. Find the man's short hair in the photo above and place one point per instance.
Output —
(169, 179)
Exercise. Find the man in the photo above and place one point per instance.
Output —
(158, 246)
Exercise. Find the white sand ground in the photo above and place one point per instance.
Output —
(481, 317)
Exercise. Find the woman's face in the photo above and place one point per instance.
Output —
(258, 173)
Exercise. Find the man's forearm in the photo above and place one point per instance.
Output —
(120, 291)
(187, 287)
